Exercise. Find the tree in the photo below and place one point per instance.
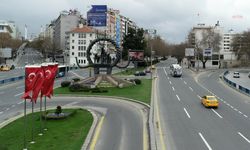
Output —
(241, 45)
(133, 40)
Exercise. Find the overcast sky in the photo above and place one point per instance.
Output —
(171, 18)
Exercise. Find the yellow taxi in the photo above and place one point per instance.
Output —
(210, 101)
(5, 68)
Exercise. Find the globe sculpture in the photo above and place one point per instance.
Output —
(102, 55)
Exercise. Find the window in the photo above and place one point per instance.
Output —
(79, 54)
(81, 61)
(73, 53)
(84, 47)
(90, 34)
(80, 48)
(1, 27)
(72, 47)
(73, 34)
(73, 41)
(84, 61)
(84, 42)
(84, 35)
(84, 54)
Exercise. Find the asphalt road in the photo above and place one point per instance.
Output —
(186, 124)
(244, 80)
(124, 125)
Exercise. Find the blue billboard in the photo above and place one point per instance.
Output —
(97, 16)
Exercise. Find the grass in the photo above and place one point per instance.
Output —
(130, 71)
(66, 134)
(140, 92)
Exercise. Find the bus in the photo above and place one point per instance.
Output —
(62, 70)
(176, 70)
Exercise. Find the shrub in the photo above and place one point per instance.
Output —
(58, 110)
(76, 79)
(137, 81)
(65, 83)
(75, 87)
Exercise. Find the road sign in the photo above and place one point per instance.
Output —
(207, 52)
(189, 51)
(97, 16)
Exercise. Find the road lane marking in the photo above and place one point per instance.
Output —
(165, 72)
(199, 96)
(1, 112)
(235, 109)
(163, 147)
(191, 89)
(204, 140)
(170, 82)
(173, 88)
(244, 137)
(97, 134)
(19, 87)
(7, 109)
(187, 113)
(12, 106)
(245, 116)
(240, 112)
(217, 113)
(185, 82)
(18, 94)
(20, 102)
(178, 97)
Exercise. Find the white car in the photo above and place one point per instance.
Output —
(236, 75)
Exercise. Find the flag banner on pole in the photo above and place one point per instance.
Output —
(30, 80)
(38, 84)
(50, 72)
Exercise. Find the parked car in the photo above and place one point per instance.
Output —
(5, 68)
(210, 101)
(236, 75)
(140, 73)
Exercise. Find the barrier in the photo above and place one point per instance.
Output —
(235, 85)
(11, 79)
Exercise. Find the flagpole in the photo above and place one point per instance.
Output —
(33, 121)
(41, 132)
(25, 127)
(45, 114)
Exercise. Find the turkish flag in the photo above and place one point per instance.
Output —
(30, 79)
(50, 72)
(38, 84)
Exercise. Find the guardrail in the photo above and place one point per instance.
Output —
(4, 81)
(234, 85)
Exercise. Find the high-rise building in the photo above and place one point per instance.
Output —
(66, 21)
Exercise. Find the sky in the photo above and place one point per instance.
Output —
(172, 19)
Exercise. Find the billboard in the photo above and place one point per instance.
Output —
(97, 16)
(136, 55)
(207, 52)
(5, 52)
(118, 28)
(189, 51)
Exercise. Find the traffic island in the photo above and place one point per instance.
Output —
(67, 133)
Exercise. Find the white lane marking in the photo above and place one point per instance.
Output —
(244, 137)
(20, 102)
(187, 113)
(246, 116)
(178, 97)
(235, 109)
(165, 72)
(217, 113)
(168, 78)
(18, 94)
(185, 82)
(191, 89)
(19, 87)
(173, 88)
(204, 140)
(199, 96)
(170, 82)
(7, 109)
(232, 107)
(12, 106)
(1, 112)
(240, 112)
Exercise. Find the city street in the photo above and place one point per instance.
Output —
(189, 125)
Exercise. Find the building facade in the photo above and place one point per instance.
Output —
(11, 28)
(78, 41)
(66, 21)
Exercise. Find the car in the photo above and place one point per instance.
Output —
(249, 75)
(140, 73)
(236, 75)
(153, 67)
(209, 101)
(5, 68)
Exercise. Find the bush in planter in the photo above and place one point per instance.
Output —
(65, 83)
(76, 87)
(76, 79)
(137, 81)
(58, 110)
